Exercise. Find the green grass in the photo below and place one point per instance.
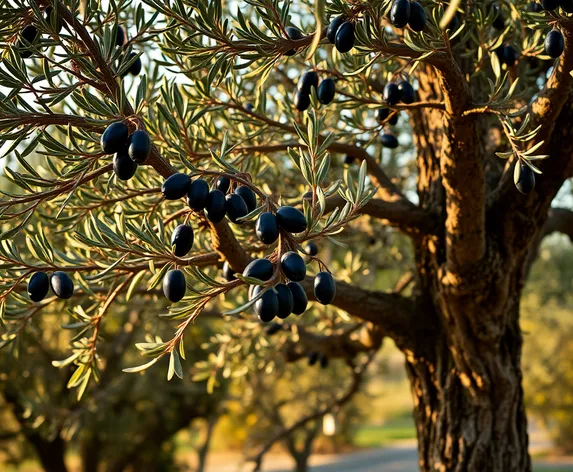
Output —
(543, 468)
(380, 435)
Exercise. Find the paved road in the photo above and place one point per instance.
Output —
(392, 459)
(400, 457)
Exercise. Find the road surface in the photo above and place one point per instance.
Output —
(399, 457)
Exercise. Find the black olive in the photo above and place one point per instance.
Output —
(267, 307)
(267, 228)
(223, 184)
(348, 160)
(215, 206)
(324, 287)
(326, 91)
(550, 5)
(38, 286)
(312, 358)
(389, 140)
(53, 19)
(345, 38)
(417, 20)
(228, 272)
(300, 301)
(235, 207)
(510, 56)
(293, 266)
(308, 80)
(290, 219)
(407, 93)
(301, 100)
(294, 34)
(248, 196)
(182, 240)
(400, 13)
(499, 20)
(382, 114)
(139, 146)
(29, 33)
(261, 269)
(333, 28)
(62, 285)
(284, 296)
(174, 285)
(176, 186)
(120, 37)
(123, 166)
(524, 178)
(391, 94)
(311, 248)
(197, 195)
(114, 138)
(135, 68)
(554, 44)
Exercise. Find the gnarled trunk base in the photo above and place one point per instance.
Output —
(461, 430)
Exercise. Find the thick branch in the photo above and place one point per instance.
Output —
(395, 314)
(560, 221)
(401, 213)
(462, 171)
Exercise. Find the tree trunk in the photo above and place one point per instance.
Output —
(459, 431)
(301, 463)
(50, 452)
(466, 378)
(90, 453)
(203, 450)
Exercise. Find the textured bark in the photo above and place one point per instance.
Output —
(466, 382)
(460, 431)
(465, 374)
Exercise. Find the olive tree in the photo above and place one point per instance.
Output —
(190, 93)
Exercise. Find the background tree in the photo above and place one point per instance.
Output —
(215, 100)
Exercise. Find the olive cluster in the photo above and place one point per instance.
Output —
(404, 12)
(393, 94)
(324, 92)
(60, 283)
(129, 150)
(283, 299)
(217, 203)
(341, 33)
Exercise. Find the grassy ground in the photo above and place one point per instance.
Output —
(386, 433)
